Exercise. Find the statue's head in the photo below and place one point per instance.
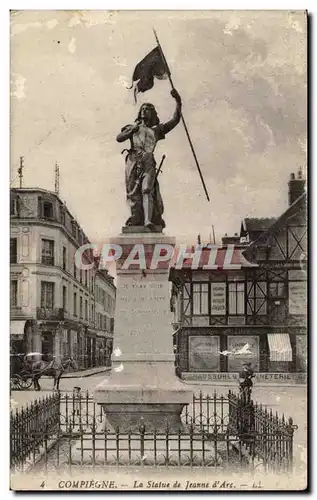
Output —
(148, 113)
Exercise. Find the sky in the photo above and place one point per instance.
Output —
(242, 79)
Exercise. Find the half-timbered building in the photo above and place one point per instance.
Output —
(257, 313)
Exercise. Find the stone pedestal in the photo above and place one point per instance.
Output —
(143, 387)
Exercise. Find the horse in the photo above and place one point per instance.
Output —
(54, 368)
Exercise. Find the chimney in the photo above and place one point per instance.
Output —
(296, 187)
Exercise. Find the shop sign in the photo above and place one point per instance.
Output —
(203, 353)
(241, 349)
(297, 292)
(218, 299)
(260, 378)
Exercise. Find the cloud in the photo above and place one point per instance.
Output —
(52, 24)
(92, 18)
(19, 28)
(242, 78)
(72, 46)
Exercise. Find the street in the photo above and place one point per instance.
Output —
(290, 401)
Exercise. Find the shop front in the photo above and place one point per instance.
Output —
(219, 353)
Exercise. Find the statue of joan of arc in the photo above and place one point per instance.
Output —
(142, 187)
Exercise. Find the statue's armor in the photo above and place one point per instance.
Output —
(143, 193)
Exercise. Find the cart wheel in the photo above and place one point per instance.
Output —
(26, 381)
(15, 383)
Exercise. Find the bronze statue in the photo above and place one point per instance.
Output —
(142, 187)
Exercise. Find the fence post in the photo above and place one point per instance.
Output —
(118, 445)
(290, 429)
(45, 446)
(191, 435)
(155, 446)
(106, 444)
(167, 444)
(142, 432)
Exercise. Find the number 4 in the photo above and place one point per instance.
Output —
(42, 484)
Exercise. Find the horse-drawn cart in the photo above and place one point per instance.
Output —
(20, 376)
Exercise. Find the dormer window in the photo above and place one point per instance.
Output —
(46, 208)
(74, 229)
(62, 213)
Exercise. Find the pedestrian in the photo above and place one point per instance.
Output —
(245, 380)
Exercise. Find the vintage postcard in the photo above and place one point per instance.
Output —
(158, 334)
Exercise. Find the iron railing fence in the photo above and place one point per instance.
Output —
(31, 427)
(68, 430)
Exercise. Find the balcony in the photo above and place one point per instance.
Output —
(57, 314)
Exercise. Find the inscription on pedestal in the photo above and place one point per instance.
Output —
(141, 306)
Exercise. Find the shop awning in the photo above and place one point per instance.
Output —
(17, 328)
(280, 347)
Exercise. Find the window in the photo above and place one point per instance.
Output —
(48, 252)
(75, 304)
(64, 298)
(277, 289)
(257, 303)
(92, 313)
(48, 210)
(186, 299)
(86, 279)
(80, 307)
(81, 275)
(86, 309)
(74, 229)
(14, 293)
(62, 212)
(236, 298)
(64, 258)
(75, 269)
(107, 324)
(13, 206)
(47, 294)
(13, 250)
(200, 298)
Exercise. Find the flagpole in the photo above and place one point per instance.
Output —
(183, 120)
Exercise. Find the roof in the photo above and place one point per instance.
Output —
(222, 252)
(32, 190)
(298, 204)
(17, 191)
(258, 223)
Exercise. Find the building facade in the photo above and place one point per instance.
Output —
(256, 313)
(105, 299)
(53, 303)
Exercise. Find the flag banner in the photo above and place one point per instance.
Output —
(153, 65)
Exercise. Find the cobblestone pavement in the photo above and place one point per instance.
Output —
(292, 401)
